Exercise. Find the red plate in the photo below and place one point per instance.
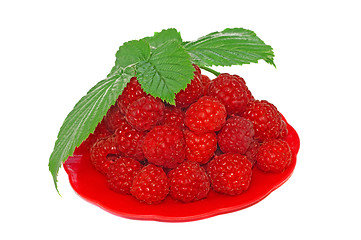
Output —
(91, 186)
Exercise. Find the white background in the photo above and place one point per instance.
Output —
(51, 53)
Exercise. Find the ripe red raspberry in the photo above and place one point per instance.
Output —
(252, 151)
(145, 113)
(230, 92)
(200, 147)
(129, 142)
(206, 115)
(164, 146)
(101, 131)
(121, 173)
(150, 185)
(114, 119)
(191, 93)
(274, 156)
(267, 121)
(174, 117)
(230, 173)
(188, 182)
(132, 92)
(103, 153)
(236, 135)
(206, 81)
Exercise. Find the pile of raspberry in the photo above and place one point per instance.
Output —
(211, 139)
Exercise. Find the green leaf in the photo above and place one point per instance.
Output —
(164, 36)
(85, 116)
(234, 46)
(130, 53)
(168, 70)
(137, 50)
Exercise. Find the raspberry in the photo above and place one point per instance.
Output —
(121, 173)
(101, 131)
(174, 117)
(252, 151)
(191, 93)
(230, 173)
(188, 182)
(132, 92)
(236, 135)
(114, 119)
(206, 81)
(150, 185)
(103, 154)
(267, 121)
(164, 146)
(274, 156)
(206, 115)
(129, 142)
(230, 92)
(200, 147)
(145, 113)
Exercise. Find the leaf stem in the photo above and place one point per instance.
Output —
(210, 70)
